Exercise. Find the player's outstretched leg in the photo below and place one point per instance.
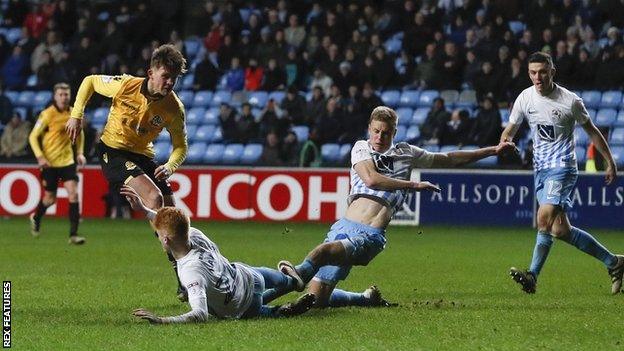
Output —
(371, 297)
(525, 278)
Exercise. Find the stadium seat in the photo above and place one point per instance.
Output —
(13, 35)
(431, 148)
(516, 27)
(580, 137)
(31, 81)
(409, 98)
(217, 137)
(221, 96)
(405, 115)
(392, 46)
(412, 134)
(302, 133)
(42, 98)
(330, 153)
(592, 114)
(192, 47)
(191, 129)
(504, 112)
(617, 136)
(469, 147)
(619, 120)
(163, 136)
(449, 148)
(490, 161)
(100, 116)
(591, 98)
(187, 81)
(12, 95)
(277, 96)
(202, 98)
(618, 155)
(162, 150)
(308, 96)
(400, 134)
(420, 115)
(205, 133)
(186, 97)
(211, 116)
(611, 99)
(22, 111)
(26, 98)
(196, 152)
(581, 154)
(426, 98)
(258, 99)
(251, 154)
(345, 152)
(606, 117)
(232, 154)
(467, 99)
(214, 153)
(391, 98)
(450, 97)
(195, 115)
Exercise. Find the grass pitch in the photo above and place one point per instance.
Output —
(451, 283)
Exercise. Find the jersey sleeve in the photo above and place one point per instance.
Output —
(101, 84)
(179, 142)
(421, 158)
(579, 112)
(196, 287)
(517, 111)
(360, 152)
(36, 132)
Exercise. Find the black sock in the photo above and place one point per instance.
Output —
(39, 212)
(74, 218)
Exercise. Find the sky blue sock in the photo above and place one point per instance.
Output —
(306, 270)
(543, 242)
(276, 283)
(341, 298)
(585, 242)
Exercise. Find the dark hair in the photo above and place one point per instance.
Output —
(169, 57)
(541, 57)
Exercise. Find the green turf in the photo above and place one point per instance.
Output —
(451, 283)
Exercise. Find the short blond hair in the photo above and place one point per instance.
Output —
(61, 86)
(174, 221)
(384, 114)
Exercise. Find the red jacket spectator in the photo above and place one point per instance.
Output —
(253, 76)
(36, 22)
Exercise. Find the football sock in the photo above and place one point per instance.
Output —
(543, 242)
(39, 212)
(585, 242)
(274, 279)
(341, 298)
(74, 218)
(306, 270)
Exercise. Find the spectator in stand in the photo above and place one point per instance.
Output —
(274, 77)
(435, 121)
(247, 129)
(345, 77)
(36, 20)
(471, 68)
(486, 82)
(427, 76)
(294, 105)
(385, 68)
(294, 34)
(45, 72)
(6, 107)
(487, 126)
(227, 119)
(315, 107)
(516, 81)
(322, 80)
(14, 139)
(264, 48)
(295, 69)
(52, 45)
(451, 67)
(564, 63)
(235, 76)
(227, 51)
(253, 75)
(584, 71)
(276, 153)
(329, 123)
(14, 69)
(455, 130)
(15, 13)
(272, 118)
(206, 75)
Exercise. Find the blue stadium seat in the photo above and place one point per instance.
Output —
(581, 137)
(251, 154)
(409, 98)
(345, 152)
(186, 97)
(405, 115)
(202, 98)
(258, 99)
(412, 134)
(42, 98)
(450, 97)
(592, 114)
(232, 154)
(191, 129)
(205, 133)
(619, 121)
(22, 111)
(617, 136)
(516, 27)
(211, 116)
(426, 98)
(308, 96)
(606, 117)
(469, 147)
(490, 161)
(449, 148)
(618, 155)
(195, 115)
(420, 115)
(302, 133)
(31, 81)
(391, 98)
(214, 153)
(431, 148)
(26, 98)
(192, 47)
(591, 98)
(100, 116)
(611, 99)
(196, 152)
(467, 99)
(581, 154)
(12, 95)
(13, 35)
(162, 150)
(187, 81)
(330, 153)
(401, 133)
(220, 97)
(392, 46)
(217, 137)
(163, 136)
(278, 96)
(504, 112)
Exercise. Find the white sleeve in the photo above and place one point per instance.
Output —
(421, 158)
(579, 112)
(196, 288)
(360, 152)
(517, 111)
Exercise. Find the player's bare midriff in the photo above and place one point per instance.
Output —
(369, 212)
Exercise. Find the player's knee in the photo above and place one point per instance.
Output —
(49, 199)
(73, 197)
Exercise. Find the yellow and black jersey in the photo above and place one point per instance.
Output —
(134, 122)
(55, 144)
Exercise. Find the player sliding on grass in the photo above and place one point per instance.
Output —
(379, 183)
(552, 112)
(140, 109)
(215, 286)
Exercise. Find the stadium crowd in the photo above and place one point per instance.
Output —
(329, 62)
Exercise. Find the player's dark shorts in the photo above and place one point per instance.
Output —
(119, 166)
(50, 176)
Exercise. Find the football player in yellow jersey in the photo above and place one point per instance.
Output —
(140, 109)
(55, 156)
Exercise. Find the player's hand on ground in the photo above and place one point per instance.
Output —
(611, 174)
(162, 172)
(73, 128)
(147, 315)
(133, 198)
(42, 162)
(81, 160)
(506, 146)
(422, 186)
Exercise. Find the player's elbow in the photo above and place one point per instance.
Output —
(201, 316)
(371, 182)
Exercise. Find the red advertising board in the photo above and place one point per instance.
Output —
(205, 193)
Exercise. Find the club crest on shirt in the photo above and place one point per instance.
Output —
(130, 165)
(157, 121)
(556, 114)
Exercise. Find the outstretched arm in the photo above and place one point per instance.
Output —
(461, 157)
(377, 181)
(197, 314)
